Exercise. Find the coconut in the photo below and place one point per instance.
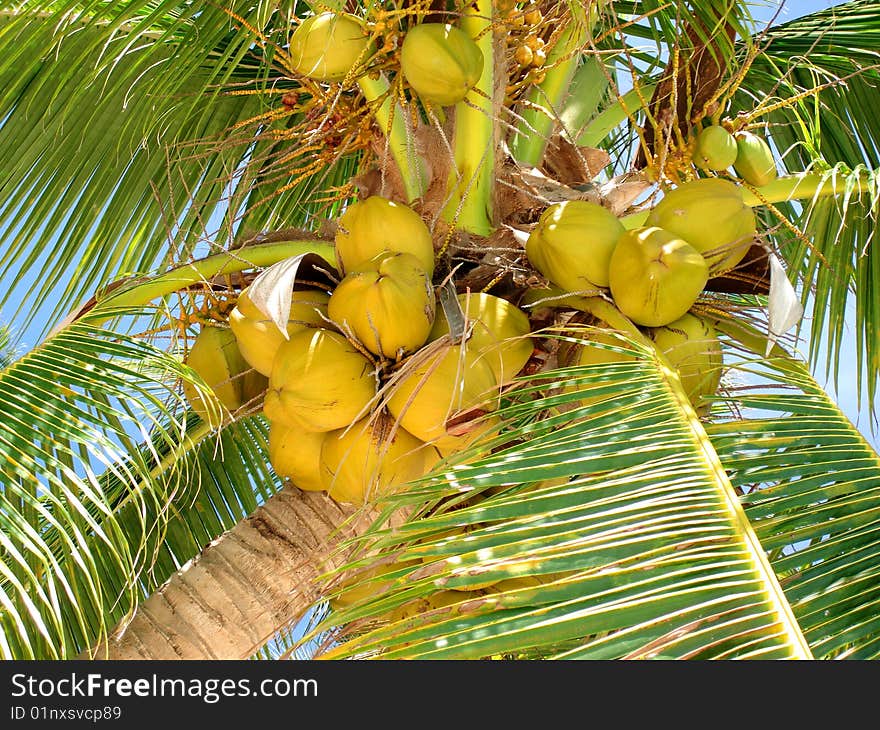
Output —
(499, 332)
(715, 148)
(387, 303)
(440, 62)
(693, 349)
(319, 382)
(711, 216)
(326, 47)
(371, 459)
(451, 380)
(572, 244)
(295, 454)
(375, 225)
(754, 160)
(582, 353)
(215, 357)
(259, 337)
(655, 276)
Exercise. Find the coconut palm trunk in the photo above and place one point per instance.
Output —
(232, 597)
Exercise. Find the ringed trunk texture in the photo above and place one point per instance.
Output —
(251, 581)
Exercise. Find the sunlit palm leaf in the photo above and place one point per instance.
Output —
(104, 492)
(63, 428)
(643, 553)
(114, 140)
(811, 488)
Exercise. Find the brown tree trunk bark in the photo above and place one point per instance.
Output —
(243, 587)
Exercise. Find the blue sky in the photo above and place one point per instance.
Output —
(763, 11)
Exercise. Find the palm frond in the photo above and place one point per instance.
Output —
(816, 86)
(107, 485)
(810, 484)
(608, 531)
(123, 132)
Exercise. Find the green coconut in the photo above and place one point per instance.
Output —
(754, 163)
(655, 276)
(375, 225)
(499, 332)
(715, 148)
(711, 216)
(691, 345)
(326, 47)
(295, 454)
(572, 244)
(372, 458)
(215, 356)
(319, 382)
(440, 62)
(452, 380)
(387, 303)
(258, 336)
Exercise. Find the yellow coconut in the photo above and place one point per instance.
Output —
(572, 244)
(370, 459)
(366, 583)
(326, 47)
(375, 225)
(711, 216)
(655, 276)
(319, 382)
(295, 454)
(455, 537)
(451, 380)
(715, 148)
(582, 353)
(420, 606)
(461, 436)
(215, 356)
(440, 62)
(499, 332)
(754, 160)
(387, 303)
(693, 349)
(259, 337)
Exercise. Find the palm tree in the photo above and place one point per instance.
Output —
(158, 156)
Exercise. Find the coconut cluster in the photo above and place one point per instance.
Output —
(367, 387)
(654, 273)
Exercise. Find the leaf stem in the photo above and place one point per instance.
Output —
(392, 121)
(471, 181)
(544, 100)
(142, 291)
(806, 186)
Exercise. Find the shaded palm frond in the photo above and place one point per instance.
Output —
(124, 130)
(106, 488)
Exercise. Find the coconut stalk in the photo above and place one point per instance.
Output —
(392, 121)
(546, 99)
(587, 89)
(472, 180)
(390, 118)
(624, 108)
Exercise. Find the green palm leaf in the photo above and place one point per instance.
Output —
(149, 98)
(811, 489)
(637, 542)
(832, 132)
(107, 485)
